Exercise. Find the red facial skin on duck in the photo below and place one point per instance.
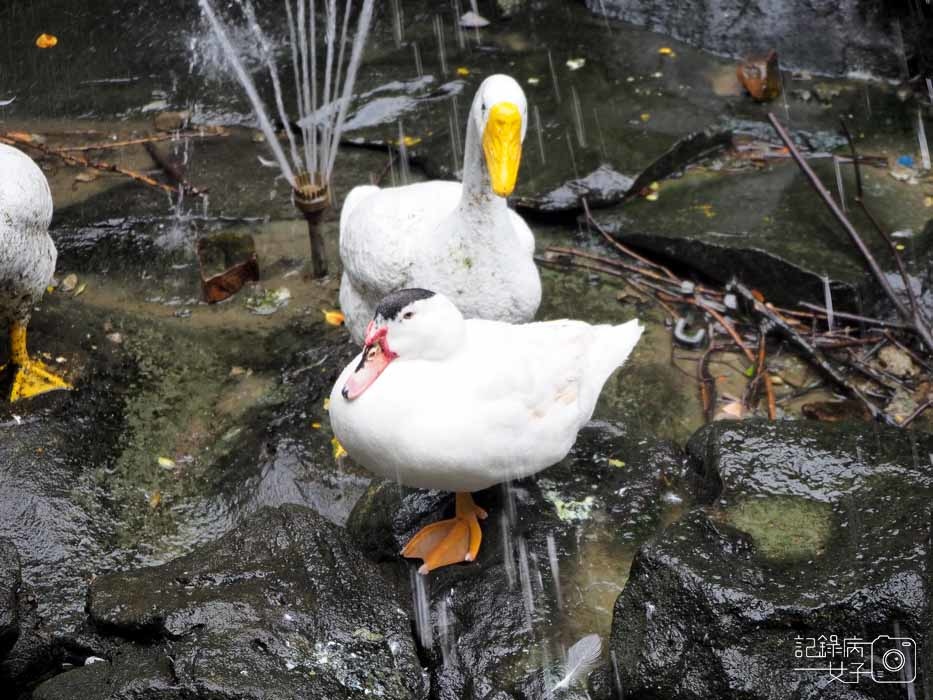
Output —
(376, 357)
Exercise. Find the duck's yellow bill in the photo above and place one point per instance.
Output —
(502, 145)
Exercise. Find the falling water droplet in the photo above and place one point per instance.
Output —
(577, 117)
(573, 159)
(419, 69)
(444, 633)
(922, 137)
(422, 609)
(599, 133)
(839, 186)
(550, 61)
(616, 676)
(508, 551)
(539, 135)
(402, 154)
(828, 298)
(441, 51)
(555, 570)
(397, 25)
(901, 52)
(461, 40)
(525, 579)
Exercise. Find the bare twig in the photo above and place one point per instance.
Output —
(623, 248)
(917, 411)
(108, 145)
(13, 139)
(812, 353)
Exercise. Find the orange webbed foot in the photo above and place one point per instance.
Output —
(449, 541)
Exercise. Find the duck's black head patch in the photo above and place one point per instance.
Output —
(392, 304)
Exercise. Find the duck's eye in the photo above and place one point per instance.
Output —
(407, 315)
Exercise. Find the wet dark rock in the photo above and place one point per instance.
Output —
(281, 606)
(752, 227)
(600, 188)
(133, 672)
(493, 622)
(810, 530)
(833, 37)
(10, 581)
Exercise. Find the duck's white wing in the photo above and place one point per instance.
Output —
(518, 394)
(554, 368)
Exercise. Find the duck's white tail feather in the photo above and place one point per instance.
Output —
(611, 347)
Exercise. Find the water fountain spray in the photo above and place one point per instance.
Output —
(321, 115)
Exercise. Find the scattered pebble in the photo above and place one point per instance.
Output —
(93, 660)
(472, 20)
(115, 338)
(69, 283)
(533, 81)
(576, 63)
(265, 303)
(172, 121)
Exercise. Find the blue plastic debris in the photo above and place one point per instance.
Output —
(906, 161)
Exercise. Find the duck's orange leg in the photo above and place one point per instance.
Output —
(30, 377)
(449, 541)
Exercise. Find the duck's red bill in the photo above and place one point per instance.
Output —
(374, 361)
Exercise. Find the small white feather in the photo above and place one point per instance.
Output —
(581, 658)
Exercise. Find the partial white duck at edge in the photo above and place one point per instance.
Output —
(27, 263)
(461, 240)
(435, 401)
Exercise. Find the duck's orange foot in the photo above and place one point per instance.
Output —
(449, 541)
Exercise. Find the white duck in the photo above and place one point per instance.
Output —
(438, 402)
(27, 263)
(459, 239)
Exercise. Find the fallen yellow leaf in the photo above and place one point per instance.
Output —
(46, 41)
(616, 463)
(316, 426)
(334, 318)
(666, 51)
(166, 463)
(327, 404)
(652, 197)
(339, 452)
(645, 116)
(155, 500)
(928, 201)
(654, 186)
(463, 71)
